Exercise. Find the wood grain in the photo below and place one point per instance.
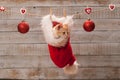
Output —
(77, 36)
(19, 61)
(55, 73)
(56, 2)
(85, 49)
(25, 56)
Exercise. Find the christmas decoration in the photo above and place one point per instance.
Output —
(2, 8)
(89, 25)
(23, 27)
(57, 35)
(111, 7)
(23, 11)
(88, 10)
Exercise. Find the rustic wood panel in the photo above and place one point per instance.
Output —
(96, 49)
(54, 73)
(20, 61)
(34, 2)
(55, 2)
(76, 37)
(85, 49)
(24, 61)
(25, 56)
(96, 36)
(23, 38)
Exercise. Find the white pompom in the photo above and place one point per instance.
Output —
(73, 69)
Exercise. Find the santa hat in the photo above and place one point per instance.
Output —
(55, 23)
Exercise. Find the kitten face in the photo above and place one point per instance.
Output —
(61, 31)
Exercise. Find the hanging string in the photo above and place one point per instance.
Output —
(64, 12)
(78, 13)
(23, 13)
(51, 14)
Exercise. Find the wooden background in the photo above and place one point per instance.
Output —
(25, 56)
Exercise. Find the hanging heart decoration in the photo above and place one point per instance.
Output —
(2, 8)
(88, 10)
(111, 7)
(23, 10)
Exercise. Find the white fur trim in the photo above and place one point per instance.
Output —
(69, 21)
(73, 69)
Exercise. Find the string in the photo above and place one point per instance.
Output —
(78, 13)
(51, 14)
(64, 12)
(23, 15)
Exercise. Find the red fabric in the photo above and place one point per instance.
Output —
(62, 56)
(55, 23)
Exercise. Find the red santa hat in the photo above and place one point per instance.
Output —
(55, 23)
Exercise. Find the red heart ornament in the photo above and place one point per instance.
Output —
(88, 10)
(111, 7)
(22, 10)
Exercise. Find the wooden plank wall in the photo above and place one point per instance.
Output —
(25, 56)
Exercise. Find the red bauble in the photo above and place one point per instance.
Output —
(23, 27)
(89, 25)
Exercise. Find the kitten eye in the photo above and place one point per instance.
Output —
(63, 32)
